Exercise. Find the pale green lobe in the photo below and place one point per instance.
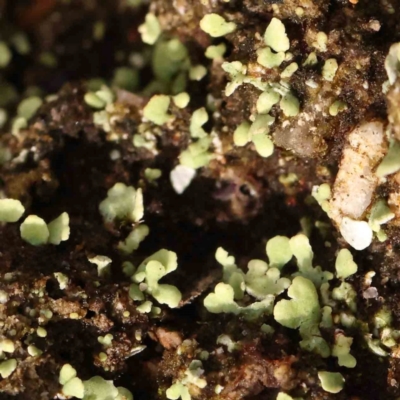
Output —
(222, 300)
(310, 60)
(391, 163)
(5, 55)
(145, 307)
(262, 281)
(232, 275)
(279, 251)
(124, 394)
(135, 293)
(275, 36)
(67, 372)
(337, 107)
(216, 26)
(266, 101)
(345, 266)
(380, 215)
(329, 69)
(197, 154)
(156, 109)
(268, 59)
(150, 30)
(132, 242)
(7, 346)
(94, 101)
(7, 367)
(289, 70)
(34, 230)
(152, 270)
(152, 174)
(18, 124)
(126, 78)
(170, 58)
(197, 72)
(263, 145)
(11, 210)
(102, 263)
(301, 249)
(33, 351)
(290, 105)
(302, 309)
(241, 134)
(181, 100)
(28, 107)
(261, 125)
(284, 396)
(331, 382)
(59, 229)
(341, 350)
(392, 63)
(74, 388)
(199, 118)
(216, 52)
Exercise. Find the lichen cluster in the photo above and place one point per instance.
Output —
(212, 213)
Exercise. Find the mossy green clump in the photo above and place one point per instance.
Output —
(11, 210)
(331, 382)
(34, 230)
(122, 203)
(216, 26)
(156, 109)
(275, 36)
(154, 268)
